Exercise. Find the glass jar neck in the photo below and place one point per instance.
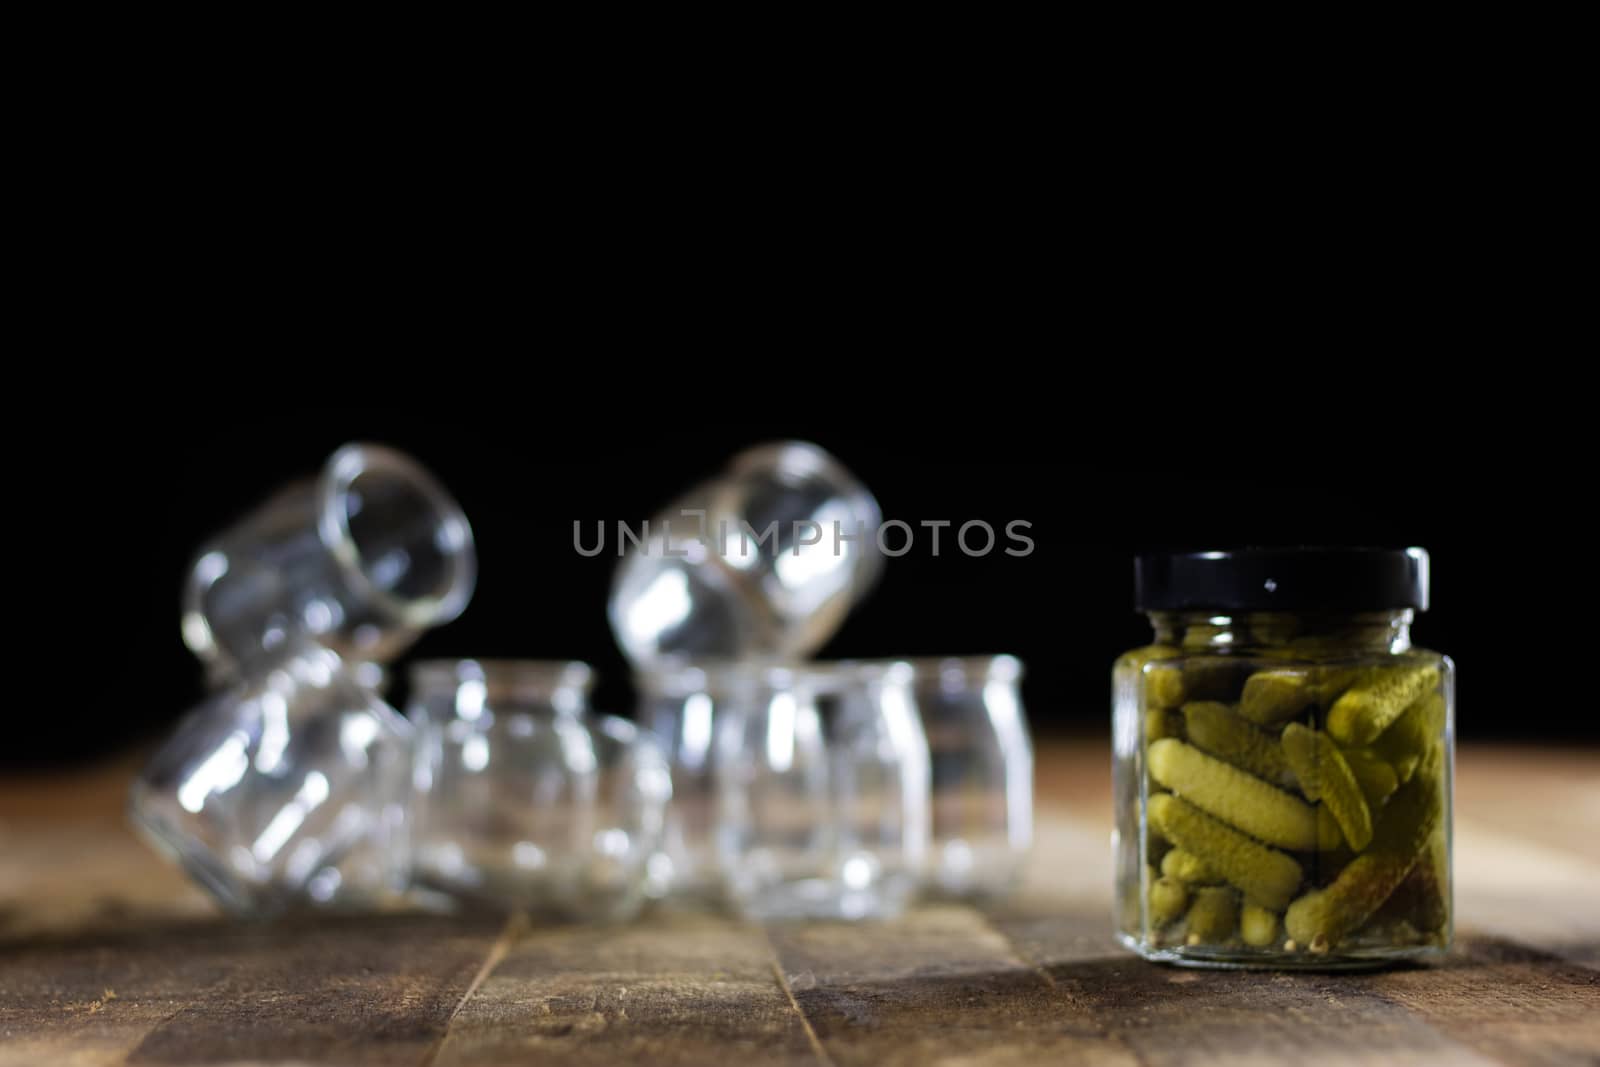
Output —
(1308, 632)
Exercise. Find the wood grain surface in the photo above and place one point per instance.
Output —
(109, 956)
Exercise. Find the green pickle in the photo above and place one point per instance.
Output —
(1161, 687)
(1258, 926)
(1217, 729)
(1403, 744)
(1264, 875)
(1213, 917)
(1421, 900)
(1236, 798)
(1168, 900)
(1276, 695)
(1377, 778)
(1325, 776)
(1187, 867)
(1320, 919)
(1369, 707)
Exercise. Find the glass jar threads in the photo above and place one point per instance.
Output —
(1282, 762)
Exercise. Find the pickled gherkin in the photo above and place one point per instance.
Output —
(1278, 694)
(1320, 918)
(1282, 770)
(1168, 899)
(1403, 744)
(1219, 730)
(1187, 867)
(1258, 926)
(1219, 789)
(1421, 901)
(1164, 686)
(1275, 695)
(1324, 775)
(1367, 708)
(1214, 915)
(1376, 777)
(1264, 875)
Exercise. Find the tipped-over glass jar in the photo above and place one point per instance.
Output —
(763, 561)
(1282, 762)
(286, 791)
(361, 558)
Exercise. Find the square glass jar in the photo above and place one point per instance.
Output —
(1282, 763)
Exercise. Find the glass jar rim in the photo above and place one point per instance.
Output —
(1001, 667)
(334, 483)
(522, 674)
(681, 677)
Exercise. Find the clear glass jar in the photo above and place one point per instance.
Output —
(822, 791)
(288, 790)
(982, 765)
(362, 558)
(681, 703)
(763, 561)
(524, 799)
(1283, 763)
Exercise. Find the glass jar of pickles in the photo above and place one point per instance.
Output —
(1282, 762)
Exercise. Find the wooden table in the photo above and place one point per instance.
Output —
(109, 956)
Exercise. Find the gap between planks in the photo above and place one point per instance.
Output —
(516, 925)
(783, 984)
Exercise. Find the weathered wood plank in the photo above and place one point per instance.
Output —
(108, 955)
(671, 989)
(340, 990)
(1172, 1016)
(937, 986)
(91, 1001)
(64, 877)
(1506, 1001)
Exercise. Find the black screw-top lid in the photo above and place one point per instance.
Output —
(1283, 579)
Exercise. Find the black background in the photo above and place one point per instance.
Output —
(124, 532)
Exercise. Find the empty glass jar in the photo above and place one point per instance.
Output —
(362, 558)
(288, 790)
(764, 561)
(523, 800)
(680, 704)
(982, 764)
(1282, 765)
(822, 791)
